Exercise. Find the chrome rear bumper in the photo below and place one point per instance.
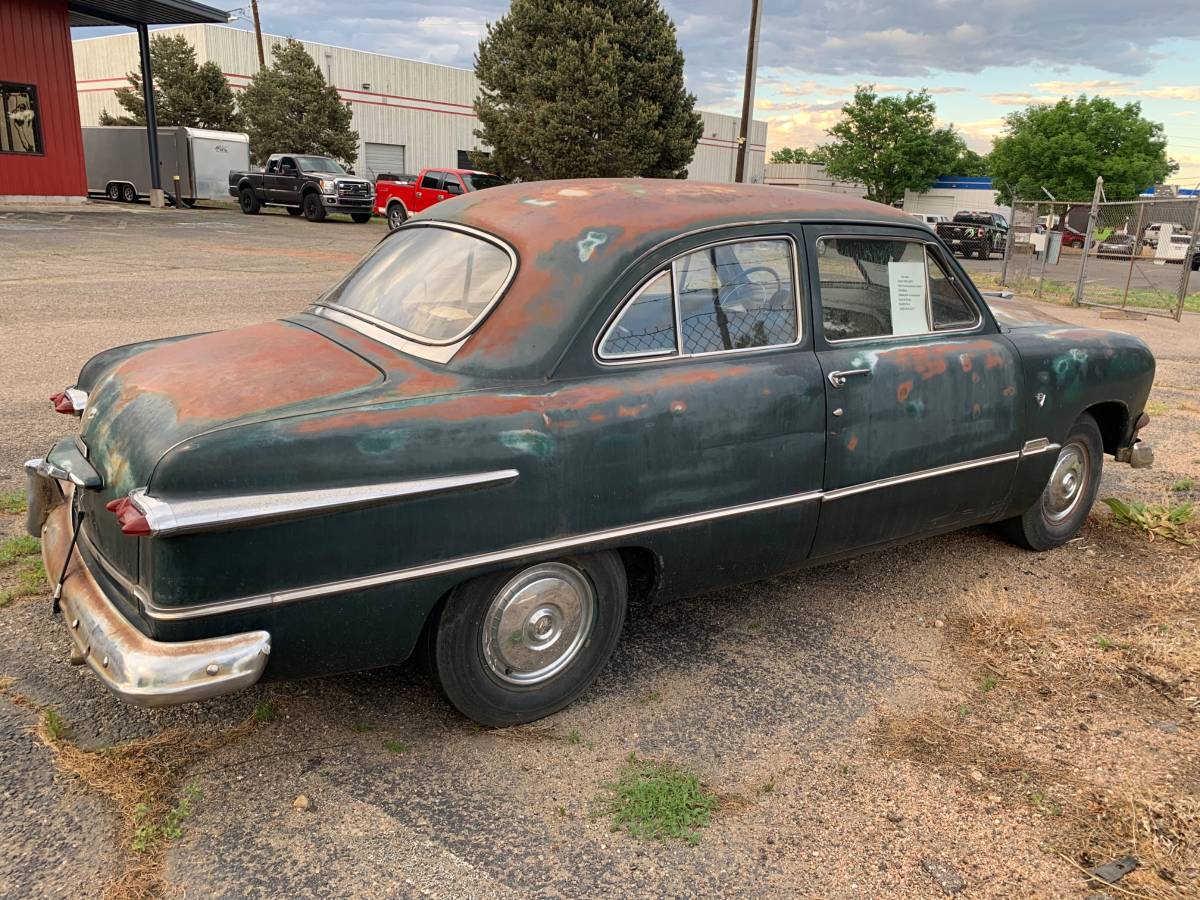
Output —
(139, 669)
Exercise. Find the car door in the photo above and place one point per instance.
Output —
(287, 183)
(923, 393)
(270, 173)
(429, 190)
(705, 400)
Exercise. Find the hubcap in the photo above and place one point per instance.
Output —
(395, 218)
(1067, 482)
(538, 623)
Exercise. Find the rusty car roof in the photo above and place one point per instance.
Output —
(575, 238)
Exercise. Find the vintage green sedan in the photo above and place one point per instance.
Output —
(532, 404)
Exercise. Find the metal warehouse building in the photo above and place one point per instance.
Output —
(408, 114)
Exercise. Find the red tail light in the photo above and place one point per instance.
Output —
(70, 401)
(62, 403)
(132, 519)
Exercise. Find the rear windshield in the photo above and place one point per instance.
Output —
(430, 283)
(478, 181)
(973, 218)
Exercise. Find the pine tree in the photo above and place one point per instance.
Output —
(184, 93)
(290, 108)
(585, 88)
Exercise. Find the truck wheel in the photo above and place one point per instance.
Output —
(396, 216)
(360, 218)
(1069, 494)
(249, 202)
(294, 210)
(129, 193)
(113, 191)
(314, 209)
(516, 646)
(982, 253)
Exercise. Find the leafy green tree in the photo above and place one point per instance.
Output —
(578, 88)
(798, 155)
(1065, 146)
(290, 108)
(890, 144)
(969, 163)
(184, 93)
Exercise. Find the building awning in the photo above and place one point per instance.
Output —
(142, 12)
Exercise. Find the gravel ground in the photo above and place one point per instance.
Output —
(771, 691)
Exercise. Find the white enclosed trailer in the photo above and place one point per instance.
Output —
(194, 162)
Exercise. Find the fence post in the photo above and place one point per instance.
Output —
(1186, 273)
(1008, 242)
(1045, 255)
(1087, 239)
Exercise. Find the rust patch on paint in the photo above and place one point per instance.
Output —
(904, 390)
(1009, 391)
(678, 406)
(597, 418)
(965, 360)
(230, 374)
(993, 360)
(852, 443)
(629, 412)
(976, 409)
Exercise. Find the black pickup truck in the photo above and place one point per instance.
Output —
(975, 233)
(312, 185)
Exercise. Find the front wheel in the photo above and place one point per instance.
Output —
(113, 192)
(314, 209)
(396, 216)
(360, 218)
(1069, 494)
(516, 646)
(129, 193)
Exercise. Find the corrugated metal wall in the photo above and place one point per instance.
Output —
(423, 107)
(35, 48)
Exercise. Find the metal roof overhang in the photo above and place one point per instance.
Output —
(141, 12)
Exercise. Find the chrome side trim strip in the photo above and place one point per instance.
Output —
(839, 493)
(465, 562)
(175, 517)
(1038, 445)
(279, 598)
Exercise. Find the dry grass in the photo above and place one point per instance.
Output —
(143, 779)
(1123, 652)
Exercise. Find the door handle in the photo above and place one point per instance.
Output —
(838, 379)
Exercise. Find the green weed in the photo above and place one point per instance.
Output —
(1169, 521)
(656, 801)
(364, 727)
(1158, 408)
(264, 713)
(18, 549)
(989, 684)
(1182, 485)
(393, 746)
(12, 503)
(56, 725)
(573, 736)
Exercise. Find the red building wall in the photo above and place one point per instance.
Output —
(35, 48)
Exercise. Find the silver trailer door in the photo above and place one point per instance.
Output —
(214, 154)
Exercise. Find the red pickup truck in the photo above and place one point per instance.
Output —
(399, 196)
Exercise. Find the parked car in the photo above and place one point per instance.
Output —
(1117, 246)
(930, 219)
(1178, 251)
(194, 162)
(397, 198)
(975, 233)
(1071, 237)
(536, 402)
(312, 185)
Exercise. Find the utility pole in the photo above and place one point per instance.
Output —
(262, 60)
(743, 154)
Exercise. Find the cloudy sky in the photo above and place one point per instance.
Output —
(980, 60)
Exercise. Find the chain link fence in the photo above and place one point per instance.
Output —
(1128, 255)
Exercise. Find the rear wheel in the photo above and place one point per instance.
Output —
(249, 202)
(314, 209)
(1069, 494)
(360, 218)
(129, 193)
(516, 646)
(294, 210)
(396, 216)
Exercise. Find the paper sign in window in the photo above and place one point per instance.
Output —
(906, 283)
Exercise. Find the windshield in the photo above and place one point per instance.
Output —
(429, 282)
(319, 164)
(477, 181)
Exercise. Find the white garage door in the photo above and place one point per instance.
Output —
(380, 158)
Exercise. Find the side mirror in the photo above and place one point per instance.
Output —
(350, 171)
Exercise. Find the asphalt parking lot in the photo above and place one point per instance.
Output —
(774, 692)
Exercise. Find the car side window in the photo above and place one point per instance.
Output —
(736, 295)
(882, 287)
(948, 308)
(288, 165)
(646, 327)
(272, 166)
(432, 181)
